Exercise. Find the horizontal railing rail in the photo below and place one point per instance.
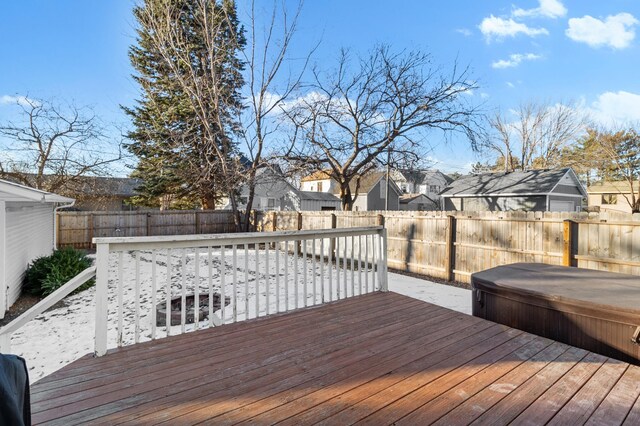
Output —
(43, 305)
(152, 287)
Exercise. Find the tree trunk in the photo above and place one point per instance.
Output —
(345, 197)
(208, 202)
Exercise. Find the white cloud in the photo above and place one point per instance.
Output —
(20, 100)
(616, 107)
(510, 85)
(616, 31)
(464, 31)
(515, 60)
(547, 8)
(494, 27)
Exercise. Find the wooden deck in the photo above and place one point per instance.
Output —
(375, 359)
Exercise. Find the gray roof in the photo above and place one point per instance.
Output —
(318, 196)
(528, 182)
(420, 177)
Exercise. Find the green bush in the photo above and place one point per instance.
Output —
(48, 273)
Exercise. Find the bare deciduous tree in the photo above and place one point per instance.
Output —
(536, 136)
(54, 146)
(354, 115)
(265, 57)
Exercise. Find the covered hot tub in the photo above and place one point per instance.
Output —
(594, 310)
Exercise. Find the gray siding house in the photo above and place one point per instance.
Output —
(532, 190)
(372, 192)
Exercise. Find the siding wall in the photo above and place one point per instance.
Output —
(29, 234)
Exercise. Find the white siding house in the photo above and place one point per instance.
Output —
(27, 230)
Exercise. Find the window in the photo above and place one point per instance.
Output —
(608, 199)
(271, 202)
(319, 186)
(404, 188)
(434, 188)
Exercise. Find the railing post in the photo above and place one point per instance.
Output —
(450, 254)
(382, 260)
(102, 280)
(332, 241)
(567, 242)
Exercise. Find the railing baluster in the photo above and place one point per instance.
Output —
(257, 248)
(223, 284)
(313, 266)
(154, 280)
(120, 303)
(210, 282)
(353, 282)
(373, 263)
(338, 268)
(360, 263)
(137, 299)
(344, 268)
(330, 267)
(296, 291)
(286, 276)
(322, 270)
(168, 294)
(277, 248)
(196, 288)
(246, 281)
(183, 299)
(267, 283)
(366, 268)
(234, 276)
(304, 272)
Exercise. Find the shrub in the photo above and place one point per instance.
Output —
(48, 273)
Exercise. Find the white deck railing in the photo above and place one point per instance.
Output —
(238, 276)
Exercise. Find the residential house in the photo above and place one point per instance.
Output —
(27, 231)
(372, 193)
(274, 192)
(532, 190)
(419, 202)
(428, 182)
(611, 196)
(319, 181)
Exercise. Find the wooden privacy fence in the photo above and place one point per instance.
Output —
(77, 229)
(453, 245)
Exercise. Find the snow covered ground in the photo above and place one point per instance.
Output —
(60, 336)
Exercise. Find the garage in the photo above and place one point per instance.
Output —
(27, 231)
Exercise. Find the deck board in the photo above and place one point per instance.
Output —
(374, 359)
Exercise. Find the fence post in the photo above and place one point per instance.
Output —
(90, 227)
(198, 225)
(568, 258)
(102, 280)
(450, 254)
(332, 241)
(148, 223)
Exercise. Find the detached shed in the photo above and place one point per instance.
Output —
(557, 190)
(27, 231)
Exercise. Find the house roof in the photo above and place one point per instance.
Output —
(614, 187)
(368, 182)
(420, 177)
(10, 191)
(513, 183)
(407, 198)
(317, 175)
(318, 196)
(125, 187)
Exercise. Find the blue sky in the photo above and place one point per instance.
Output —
(519, 50)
